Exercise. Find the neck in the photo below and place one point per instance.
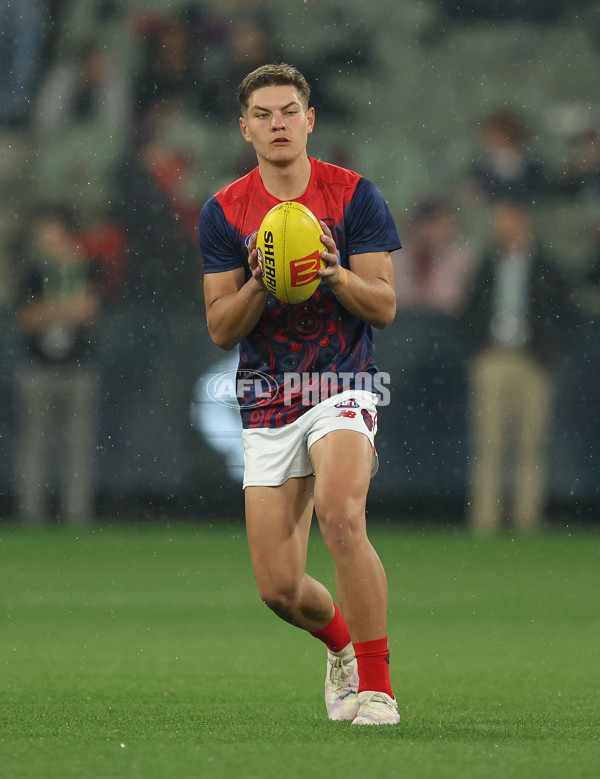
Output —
(286, 182)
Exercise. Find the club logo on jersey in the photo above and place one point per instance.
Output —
(304, 269)
(350, 403)
(367, 419)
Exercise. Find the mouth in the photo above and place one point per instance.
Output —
(280, 141)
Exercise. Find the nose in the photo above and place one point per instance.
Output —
(277, 121)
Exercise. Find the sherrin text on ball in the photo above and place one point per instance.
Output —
(289, 251)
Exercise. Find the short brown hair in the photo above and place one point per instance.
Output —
(507, 122)
(272, 75)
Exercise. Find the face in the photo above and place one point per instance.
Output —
(494, 139)
(277, 124)
(55, 241)
(512, 227)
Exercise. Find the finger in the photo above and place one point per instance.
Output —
(253, 260)
(332, 269)
(331, 258)
(325, 228)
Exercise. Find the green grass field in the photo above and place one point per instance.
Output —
(145, 652)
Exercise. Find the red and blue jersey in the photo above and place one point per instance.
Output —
(319, 339)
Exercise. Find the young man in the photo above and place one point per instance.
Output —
(302, 455)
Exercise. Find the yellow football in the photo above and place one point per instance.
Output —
(289, 251)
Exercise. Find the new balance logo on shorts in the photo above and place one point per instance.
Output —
(348, 406)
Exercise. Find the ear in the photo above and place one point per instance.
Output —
(310, 119)
(244, 129)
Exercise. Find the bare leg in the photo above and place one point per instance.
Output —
(278, 523)
(342, 463)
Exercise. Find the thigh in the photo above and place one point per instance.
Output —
(348, 412)
(278, 523)
(81, 392)
(81, 387)
(489, 401)
(535, 403)
(36, 401)
(342, 462)
(31, 383)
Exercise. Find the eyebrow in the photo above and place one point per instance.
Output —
(268, 110)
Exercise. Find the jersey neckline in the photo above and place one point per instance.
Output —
(303, 197)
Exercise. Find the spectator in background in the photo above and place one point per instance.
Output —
(159, 217)
(433, 270)
(105, 240)
(506, 168)
(518, 326)
(582, 175)
(88, 88)
(57, 380)
(169, 68)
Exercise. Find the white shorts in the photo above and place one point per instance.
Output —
(272, 455)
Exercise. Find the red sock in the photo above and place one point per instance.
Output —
(335, 635)
(374, 665)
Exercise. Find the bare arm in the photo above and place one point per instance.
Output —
(233, 307)
(367, 289)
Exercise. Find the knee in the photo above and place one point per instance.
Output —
(281, 608)
(301, 614)
(280, 598)
(342, 530)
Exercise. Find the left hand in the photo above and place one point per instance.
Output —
(331, 273)
(253, 260)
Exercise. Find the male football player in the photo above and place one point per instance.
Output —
(317, 454)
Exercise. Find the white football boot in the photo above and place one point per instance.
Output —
(376, 708)
(341, 684)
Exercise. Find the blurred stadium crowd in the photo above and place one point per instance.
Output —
(118, 120)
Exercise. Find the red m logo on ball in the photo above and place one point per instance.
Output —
(304, 270)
